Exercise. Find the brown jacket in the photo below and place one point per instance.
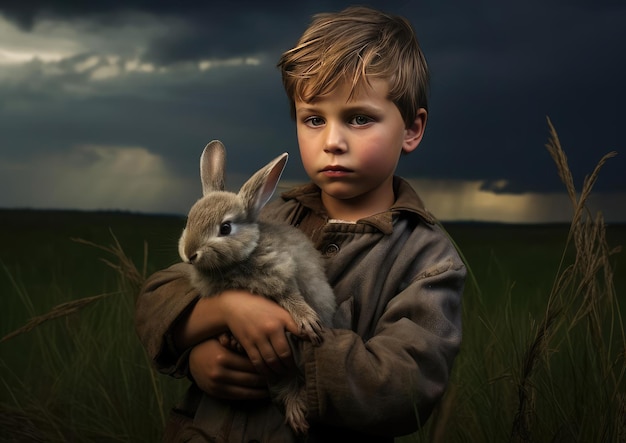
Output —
(398, 281)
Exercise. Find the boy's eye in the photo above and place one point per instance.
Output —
(360, 120)
(314, 121)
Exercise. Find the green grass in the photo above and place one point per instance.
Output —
(543, 357)
(84, 376)
(571, 379)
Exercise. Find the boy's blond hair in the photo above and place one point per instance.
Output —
(354, 45)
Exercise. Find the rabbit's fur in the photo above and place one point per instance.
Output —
(230, 248)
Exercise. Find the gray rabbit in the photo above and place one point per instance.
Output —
(230, 248)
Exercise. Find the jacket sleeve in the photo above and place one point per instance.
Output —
(390, 382)
(164, 297)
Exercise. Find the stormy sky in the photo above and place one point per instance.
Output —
(108, 106)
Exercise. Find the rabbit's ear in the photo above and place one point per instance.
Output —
(212, 164)
(259, 188)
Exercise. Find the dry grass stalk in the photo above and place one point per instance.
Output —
(537, 351)
(582, 290)
(621, 417)
(19, 426)
(61, 310)
(125, 267)
(126, 270)
(443, 414)
(559, 157)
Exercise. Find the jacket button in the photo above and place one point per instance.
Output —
(332, 249)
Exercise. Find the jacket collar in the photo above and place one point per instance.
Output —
(407, 201)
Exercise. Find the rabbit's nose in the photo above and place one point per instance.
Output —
(193, 257)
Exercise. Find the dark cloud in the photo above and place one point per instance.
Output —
(173, 116)
(497, 76)
(212, 29)
(498, 70)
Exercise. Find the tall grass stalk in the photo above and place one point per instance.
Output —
(582, 292)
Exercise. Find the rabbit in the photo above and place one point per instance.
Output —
(230, 248)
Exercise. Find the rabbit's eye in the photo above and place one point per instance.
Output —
(225, 228)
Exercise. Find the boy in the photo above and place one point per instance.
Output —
(357, 82)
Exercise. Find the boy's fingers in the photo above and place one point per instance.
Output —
(237, 386)
(236, 378)
(256, 359)
(280, 343)
(291, 326)
(233, 377)
(272, 357)
(264, 359)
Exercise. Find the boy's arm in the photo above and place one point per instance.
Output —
(171, 318)
(165, 297)
(391, 382)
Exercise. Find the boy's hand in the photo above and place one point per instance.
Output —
(223, 373)
(229, 341)
(259, 325)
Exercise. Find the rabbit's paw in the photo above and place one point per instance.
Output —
(295, 410)
(312, 330)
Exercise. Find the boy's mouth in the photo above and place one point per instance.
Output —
(335, 168)
(335, 171)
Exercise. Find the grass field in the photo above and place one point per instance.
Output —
(84, 376)
(543, 357)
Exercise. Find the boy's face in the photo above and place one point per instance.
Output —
(350, 147)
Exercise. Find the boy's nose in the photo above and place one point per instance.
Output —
(335, 142)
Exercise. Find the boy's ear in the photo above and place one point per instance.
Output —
(413, 134)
